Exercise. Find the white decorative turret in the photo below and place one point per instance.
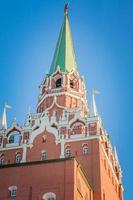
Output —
(14, 122)
(29, 118)
(4, 118)
(115, 153)
(93, 107)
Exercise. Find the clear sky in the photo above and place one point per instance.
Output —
(103, 40)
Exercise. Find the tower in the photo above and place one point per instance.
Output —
(62, 151)
(63, 81)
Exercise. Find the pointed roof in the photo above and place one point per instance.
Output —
(64, 56)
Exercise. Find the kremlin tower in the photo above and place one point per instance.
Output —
(62, 152)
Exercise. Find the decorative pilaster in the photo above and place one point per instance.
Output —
(24, 152)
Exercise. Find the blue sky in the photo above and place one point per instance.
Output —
(102, 32)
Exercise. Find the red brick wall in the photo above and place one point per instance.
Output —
(34, 180)
(52, 150)
(109, 185)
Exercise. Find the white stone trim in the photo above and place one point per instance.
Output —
(13, 187)
(63, 141)
(45, 125)
(24, 152)
(77, 117)
(10, 148)
(110, 164)
(62, 155)
(80, 137)
(14, 125)
(8, 145)
(57, 70)
(60, 94)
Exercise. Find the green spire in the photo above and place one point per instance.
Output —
(64, 56)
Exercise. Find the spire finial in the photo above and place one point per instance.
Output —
(66, 8)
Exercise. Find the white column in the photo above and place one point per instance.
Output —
(24, 152)
(62, 148)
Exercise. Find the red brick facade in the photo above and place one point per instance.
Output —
(64, 177)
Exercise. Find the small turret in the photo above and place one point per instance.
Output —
(4, 117)
(93, 107)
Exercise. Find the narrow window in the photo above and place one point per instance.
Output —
(43, 155)
(58, 83)
(68, 152)
(11, 139)
(18, 158)
(2, 160)
(71, 84)
(13, 193)
(85, 150)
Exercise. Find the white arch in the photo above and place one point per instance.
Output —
(45, 125)
(48, 195)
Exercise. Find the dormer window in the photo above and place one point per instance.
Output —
(58, 82)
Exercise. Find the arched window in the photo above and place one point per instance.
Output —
(14, 137)
(2, 159)
(85, 150)
(43, 155)
(74, 83)
(78, 128)
(13, 191)
(49, 196)
(68, 152)
(71, 84)
(18, 158)
(58, 82)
